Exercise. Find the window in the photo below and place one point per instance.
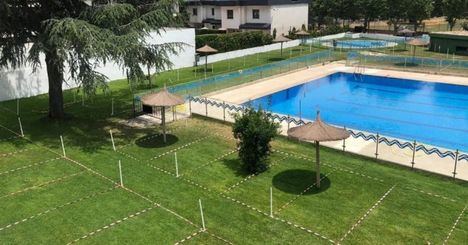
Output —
(255, 14)
(230, 14)
(212, 11)
(194, 11)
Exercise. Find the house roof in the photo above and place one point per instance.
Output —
(244, 2)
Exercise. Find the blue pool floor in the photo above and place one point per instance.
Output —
(431, 113)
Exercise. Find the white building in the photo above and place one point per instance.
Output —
(266, 15)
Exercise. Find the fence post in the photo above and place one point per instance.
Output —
(206, 107)
(300, 109)
(455, 166)
(224, 111)
(190, 105)
(414, 154)
(289, 121)
(21, 127)
(344, 141)
(377, 146)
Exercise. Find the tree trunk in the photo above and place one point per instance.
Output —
(55, 76)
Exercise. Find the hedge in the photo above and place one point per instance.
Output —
(234, 41)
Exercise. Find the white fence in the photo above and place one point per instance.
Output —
(22, 82)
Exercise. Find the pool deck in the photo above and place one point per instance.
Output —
(243, 93)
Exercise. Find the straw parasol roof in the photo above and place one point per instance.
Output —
(162, 98)
(280, 39)
(318, 131)
(206, 49)
(302, 33)
(417, 42)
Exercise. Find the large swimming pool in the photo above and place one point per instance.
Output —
(431, 113)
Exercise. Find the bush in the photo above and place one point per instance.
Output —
(234, 41)
(329, 30)
(254, 130)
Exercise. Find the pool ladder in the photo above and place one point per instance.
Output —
(358, 72)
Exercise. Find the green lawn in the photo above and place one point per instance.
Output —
(49, 199)
(46, 198)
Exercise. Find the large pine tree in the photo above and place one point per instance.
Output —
(76, 35)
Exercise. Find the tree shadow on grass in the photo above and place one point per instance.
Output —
(236, 166)
(295, 181)
(156, 141)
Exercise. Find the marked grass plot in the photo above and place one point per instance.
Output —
(344, 199)
(78, 219)
(407, 216)
(458, 233)
(200, 238)
(24, 157)
(195, 156)
(26, 204)
(155, 146)
(36, 176)
(156, 226)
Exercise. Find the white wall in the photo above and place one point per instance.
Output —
(231, 23)
(265, 15)
(285, 17)
(23, 82)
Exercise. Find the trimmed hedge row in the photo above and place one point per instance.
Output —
(234, 41)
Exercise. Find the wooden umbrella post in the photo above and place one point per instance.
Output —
(317, 163)
(163, 121)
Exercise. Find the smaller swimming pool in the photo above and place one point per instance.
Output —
(360, 44)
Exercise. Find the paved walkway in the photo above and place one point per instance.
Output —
(431, 163)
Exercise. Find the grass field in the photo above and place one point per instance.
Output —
(49, 198)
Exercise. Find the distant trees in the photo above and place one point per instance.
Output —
(396, 12)
(454, 10)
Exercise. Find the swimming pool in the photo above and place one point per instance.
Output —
(431, 113)
(360, 44)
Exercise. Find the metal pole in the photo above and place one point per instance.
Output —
(176, 165)
(112, 139)
(206, 107)
(377, 146)
(190, 105)
(414, 154)
(344, 142)
(224, 111)
(456, 161)
(201, 213)
(21, 127)
(17, 107)
(63, 146)
(300, 109)
(120, 173)
(271, 201)
(289, 117)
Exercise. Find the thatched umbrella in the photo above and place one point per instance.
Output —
(318, 131)
(416, 43)
(162, 99)
(281, 39)
(206, 50)
(302, 34)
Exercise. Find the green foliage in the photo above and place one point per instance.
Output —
(234, 41)
(454, 10)
(274, 33)
(419, 10)
(254, 130)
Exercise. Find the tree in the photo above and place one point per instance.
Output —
(369, 11)
(76, 37)
(254, 130)
(396, 11)
(454, 10)
(419, 10)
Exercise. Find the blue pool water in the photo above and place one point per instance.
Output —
(432, 113)
(361, 44)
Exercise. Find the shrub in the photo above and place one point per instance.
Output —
(209, 31)
(254, 130)
(234, 41)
